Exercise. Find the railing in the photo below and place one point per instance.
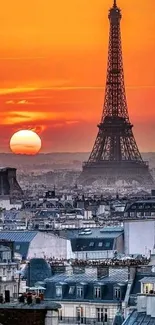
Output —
(84, 320)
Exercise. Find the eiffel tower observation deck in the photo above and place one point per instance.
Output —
(115, 155)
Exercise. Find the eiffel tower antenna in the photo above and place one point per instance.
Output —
(115, 155)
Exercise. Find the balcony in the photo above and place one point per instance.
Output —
(84, 320)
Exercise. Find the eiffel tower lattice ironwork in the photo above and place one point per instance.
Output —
(115, 155)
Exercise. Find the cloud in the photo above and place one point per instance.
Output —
(20, 102)
(5, 91)
(25, 102)
(71, 122)
(8, 102)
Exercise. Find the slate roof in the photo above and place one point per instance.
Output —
(148, 279)
(37, 270)
(18, 236)
(88, 282)
(116, 275)
(21, 240)
(139, 318)
(107, 232)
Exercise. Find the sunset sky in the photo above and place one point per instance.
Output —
(53, 57)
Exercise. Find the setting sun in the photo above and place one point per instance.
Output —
(25, 142)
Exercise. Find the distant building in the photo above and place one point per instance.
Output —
(140, 209)
(8, 183)
(97, 243)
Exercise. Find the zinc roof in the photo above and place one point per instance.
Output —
(18, 236)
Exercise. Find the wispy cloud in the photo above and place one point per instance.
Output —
(25, 102)
(19, 102)
(71, 122)
(5, 91)
(22, 58)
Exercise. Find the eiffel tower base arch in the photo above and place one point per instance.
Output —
(111, 173)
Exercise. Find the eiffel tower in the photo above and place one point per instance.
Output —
(115, 155)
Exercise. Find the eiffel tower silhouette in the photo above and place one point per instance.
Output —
(115, 155)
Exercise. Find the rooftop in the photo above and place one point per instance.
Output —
(107, 232)
(18, 236)
(148, 279)
(43, 305)
(115, 275)
(139, 318)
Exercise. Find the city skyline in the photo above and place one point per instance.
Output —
(52, 75)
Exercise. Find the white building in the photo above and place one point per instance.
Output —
(30, 244)
(139, 236)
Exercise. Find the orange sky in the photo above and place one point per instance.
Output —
(53, 57)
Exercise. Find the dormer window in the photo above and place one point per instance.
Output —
(71, 290)
(97, 292)
(91, 244)
(58, 291)
(107, 244)
(117, 293)
(147, 287)
(79, 292)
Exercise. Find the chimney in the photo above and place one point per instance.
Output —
(150, 309)
(131, 273)
(146, 303)
(69, 270)
(141, 303)
(91, 271)
(102, 271)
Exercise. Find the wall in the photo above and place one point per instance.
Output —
(120, 244)
(89, 309)
(49, 245)
(94, 254)
(139, 236)
(20, 316)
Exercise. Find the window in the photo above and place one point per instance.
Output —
(117, 293)
(4, 272)
(58, 291)
(147, 289)
(91, 244)
(17, 247)
(79, 292)
(102, 315)
(105, 315)
(97, 292)
(99, 314)
(79, 315)
(100, 244)
(107, 244)
(71, 290)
